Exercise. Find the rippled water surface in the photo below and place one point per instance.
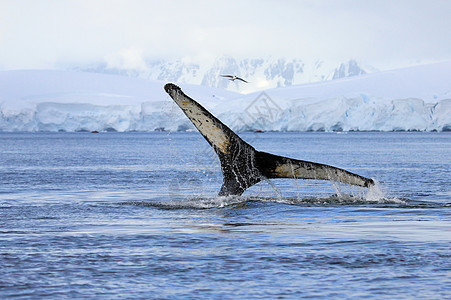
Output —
(123, 215)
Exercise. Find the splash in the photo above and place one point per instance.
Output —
(375, 192)
(344, 195)
(194, 203)
(374, 197)
(378, 194)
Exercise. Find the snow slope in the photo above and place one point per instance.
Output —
(416, 98)
(44, 100)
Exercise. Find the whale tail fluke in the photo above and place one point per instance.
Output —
(243, 166)
(274, 166)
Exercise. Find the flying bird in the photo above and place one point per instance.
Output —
(233, 78)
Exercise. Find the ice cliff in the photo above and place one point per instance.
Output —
(410, 99)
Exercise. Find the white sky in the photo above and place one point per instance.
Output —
(382, 33)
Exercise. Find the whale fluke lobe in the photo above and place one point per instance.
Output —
(243, 166)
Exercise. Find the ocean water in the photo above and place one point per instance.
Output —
(135, 215)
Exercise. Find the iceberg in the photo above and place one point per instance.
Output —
(410, 99)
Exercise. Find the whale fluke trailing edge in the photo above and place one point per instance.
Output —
(243, 166)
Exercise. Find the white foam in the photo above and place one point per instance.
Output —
(378, 194)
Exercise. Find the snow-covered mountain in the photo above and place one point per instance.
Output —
(415, 98)
(260, 73)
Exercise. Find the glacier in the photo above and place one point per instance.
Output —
(410, 99)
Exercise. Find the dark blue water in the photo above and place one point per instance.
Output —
(134, 215)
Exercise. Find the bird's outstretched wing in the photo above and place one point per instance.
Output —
(228, 76)
(241, 79)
